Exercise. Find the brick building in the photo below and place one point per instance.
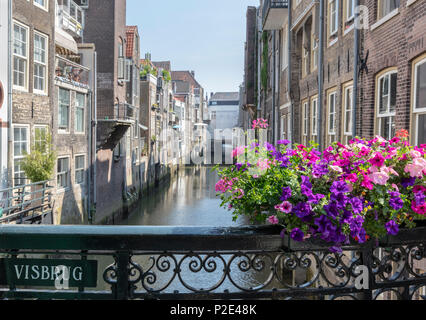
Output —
(33, 55)
(327, 90)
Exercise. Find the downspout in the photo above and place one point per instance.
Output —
(259, 85)
(274, 84)
(289, 69)
(355, 87)
(9, 97)
(320, 74)
(89, 178)
(95, 129)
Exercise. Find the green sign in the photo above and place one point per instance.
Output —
(61, 274)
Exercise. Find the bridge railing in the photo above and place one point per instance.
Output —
(203, 263)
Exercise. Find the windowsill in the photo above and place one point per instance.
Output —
(410, 2)
(347, 30)
(332, 42)
(41, 7)
(22, 89)
(40, 93)
(385, 19)
(63, 132)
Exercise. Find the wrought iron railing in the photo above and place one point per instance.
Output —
(72, 73)
(205, 263)
(272, 4)
(116, 112)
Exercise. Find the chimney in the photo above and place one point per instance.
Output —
(193, 73)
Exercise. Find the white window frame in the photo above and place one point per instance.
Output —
(81, 108)
(63, 130)
(314, 62)
(379, 10)
(349, 18)
(417, 111)
(388, 113)
(348, 98)
(334, 113)
(39, 126)
(20, 157)
(24, 58)
(41, 63)
(76, 170)
(45, 7)
(305, 119)
(336, 17)
(285, 49)
(68, 185)
(314, 116)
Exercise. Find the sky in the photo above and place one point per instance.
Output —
(206, 36)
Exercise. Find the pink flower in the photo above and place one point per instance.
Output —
(264, 164)
(336, 168)
(238, 193)
(415, 154)
(273, 220)
(366, 183)
(395, 187)
(390, 170)
(352, 178)
(378, 160)
(416, 168)
(380, 178)
(419, 209)
(284, 207)
(238, 151)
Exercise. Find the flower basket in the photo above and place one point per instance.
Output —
(348, 194)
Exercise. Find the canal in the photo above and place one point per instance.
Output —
(187, 199)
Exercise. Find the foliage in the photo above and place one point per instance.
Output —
(265, 61)
(166, 76)
(39, 165)
(148, 69)
(353, 192)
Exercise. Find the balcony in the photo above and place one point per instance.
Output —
(71, 72)
(70, 17)
(274, 14)
(121, 262)
(113, 123)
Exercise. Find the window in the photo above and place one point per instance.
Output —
(314, 125)
(419, 101)
(79, 169)
(347, 112)
(63, 172)
(20, 148)
(64, 109)
(41, 3)
(79, 112)
(121, 61)
(40, 137)
(306, 53)
(331, 110)
(20, 56)
(350, 10)
(284, 128)
(333, 14)
(40, 62)
(305, 121)
(386, 6)
(314, 53)
(386, 104)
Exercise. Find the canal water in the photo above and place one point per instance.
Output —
(187, 199)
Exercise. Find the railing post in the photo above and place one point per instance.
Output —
(122, 275)
(367, 260)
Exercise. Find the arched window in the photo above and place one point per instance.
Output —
(418, 131)
(386, 89)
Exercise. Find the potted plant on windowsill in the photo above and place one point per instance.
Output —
(363, 191)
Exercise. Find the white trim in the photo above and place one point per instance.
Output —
(82, 169)
(25, 88)
(410, 2)
(14, 158)
(314, 115)
(333, 42)
(352, 26)
(331, 133)
(84, 108)
(45, 7)
(62, 131)
(69, 183)
(386, 18)
(45, 64)
(417, 112)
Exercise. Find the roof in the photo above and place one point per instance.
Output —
(226, 96)
(163, 65)
(186, 76)
(131, 32)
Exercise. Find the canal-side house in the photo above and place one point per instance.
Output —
(149, 122)
(393, 81)
(133, 141)
(4, 103)
(33, 55)
(105, 26)
(224, 111)
(73, 99)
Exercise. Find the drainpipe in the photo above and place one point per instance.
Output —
(274, 127)
(89, 178)
(94, 127)
(355, 87)
(289, 69)
(9, 97)
(259, 85)
(320, 74)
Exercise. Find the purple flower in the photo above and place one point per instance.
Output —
(302, 210)
(322, 223)
(283, 142)
(297, 235)
(336, 249)
(320, 169)
(284, 207)
(332, 210)
(419, 198)
(356, 205)
(306, 182)
(315, 199)
(392, 228)
(408, 182)
(339, 187)
(396, 202)
(286, 194)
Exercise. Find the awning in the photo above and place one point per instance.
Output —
(143, 127)
(65, 40)
(201, 124)
(176, 127)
